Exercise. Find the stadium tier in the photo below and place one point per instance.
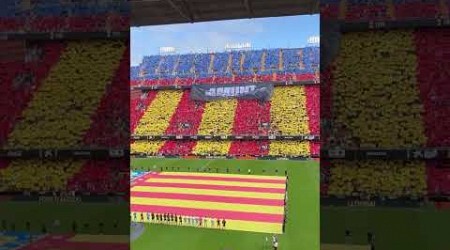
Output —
(400, 101)
(225, 67)
(61, 15)
(382, 10)
(67, 95)
(291, 111)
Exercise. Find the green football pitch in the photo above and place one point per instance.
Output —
(302, 228)
(422, 228)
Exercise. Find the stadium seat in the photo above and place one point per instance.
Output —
(83, 80)
(373, 122)
(375, 178)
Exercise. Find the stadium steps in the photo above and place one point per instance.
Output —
(301, 65)
(241, 62)
(218, 118)
(54, 99)
(142, 72)
(230, 62)
(263, 61)
(280, 60)
(175, 66)
(158, 68)
(211, 64)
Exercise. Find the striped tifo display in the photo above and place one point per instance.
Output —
(245, 202)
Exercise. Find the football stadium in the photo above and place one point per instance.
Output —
(63, 91)
(386, 92)
(225, 149)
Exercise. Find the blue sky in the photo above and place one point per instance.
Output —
(275, 32)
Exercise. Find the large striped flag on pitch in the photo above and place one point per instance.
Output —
(246, 202)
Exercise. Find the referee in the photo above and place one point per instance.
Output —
(275, 245)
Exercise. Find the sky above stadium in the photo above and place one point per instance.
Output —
(275, 32)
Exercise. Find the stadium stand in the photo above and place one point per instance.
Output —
(75, 89)
(63, 16)
(399, 102)
(382, 10)
(377, 179)
(173, 112)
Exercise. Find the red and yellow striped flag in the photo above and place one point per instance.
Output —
(246, 202)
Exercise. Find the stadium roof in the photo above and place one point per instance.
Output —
(157, 12)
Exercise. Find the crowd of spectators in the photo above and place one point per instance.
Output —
(382, 10)
(224, 67)
(173, 112)
(65, 95)
(377, 179)
(388, 91)
(64, 16)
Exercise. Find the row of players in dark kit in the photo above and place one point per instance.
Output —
(180, 220)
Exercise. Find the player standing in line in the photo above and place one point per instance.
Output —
(224, 223)
(176, 220)
(218, 223)
(200, 221)
(135, 216)
(212, 222)
(180, 220)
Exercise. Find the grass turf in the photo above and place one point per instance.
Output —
(302, 229)
(394, 228)
(115, 217)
